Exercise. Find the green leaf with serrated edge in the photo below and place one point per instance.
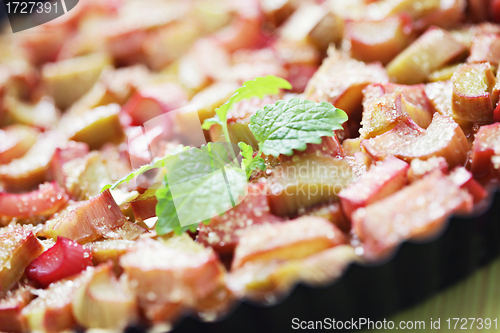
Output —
(155, 164)
(194, 178)
(258, 87)
(250, 163)
(291, 125)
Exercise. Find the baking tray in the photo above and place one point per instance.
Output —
(416, 272)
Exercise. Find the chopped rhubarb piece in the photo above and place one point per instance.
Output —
(340, 80)
(407, 141)
(44, 202)
(420, 168)
(27, 172)
(329, 146)
(171, 272)
(171, 42)
(68, 80)
(64, 259)
(472, 86)
(41, 114)
(15, 141)
(464, 179)
(88, 221)
(11, 306)
(86, 176)
(331, 212)
(295, 239)
(416, 211)
(95, 127)
(485, 48)
(379, 182)
(52, 311)
(152, 101)
(320, 180)
(209, 99)
(144, 206)
(429, 52)
(486, 151)
(314, 23)
(393, 34)
(440, 97)
(223, 232)
(259, 279)
(384, 113)
(17, 249)
(109, 250)
(73, 150)
(104, 301)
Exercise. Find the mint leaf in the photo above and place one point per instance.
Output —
(199, 183)
(250, 163)
(155, 164)
(258, 87)
(292, 124)
(167, 215)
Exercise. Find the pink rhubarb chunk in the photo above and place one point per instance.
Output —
(417, 211)
(90, 220)
(379, 182)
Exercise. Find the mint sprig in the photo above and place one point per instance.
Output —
(291, 125)
(200, 183)
(258, 87)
